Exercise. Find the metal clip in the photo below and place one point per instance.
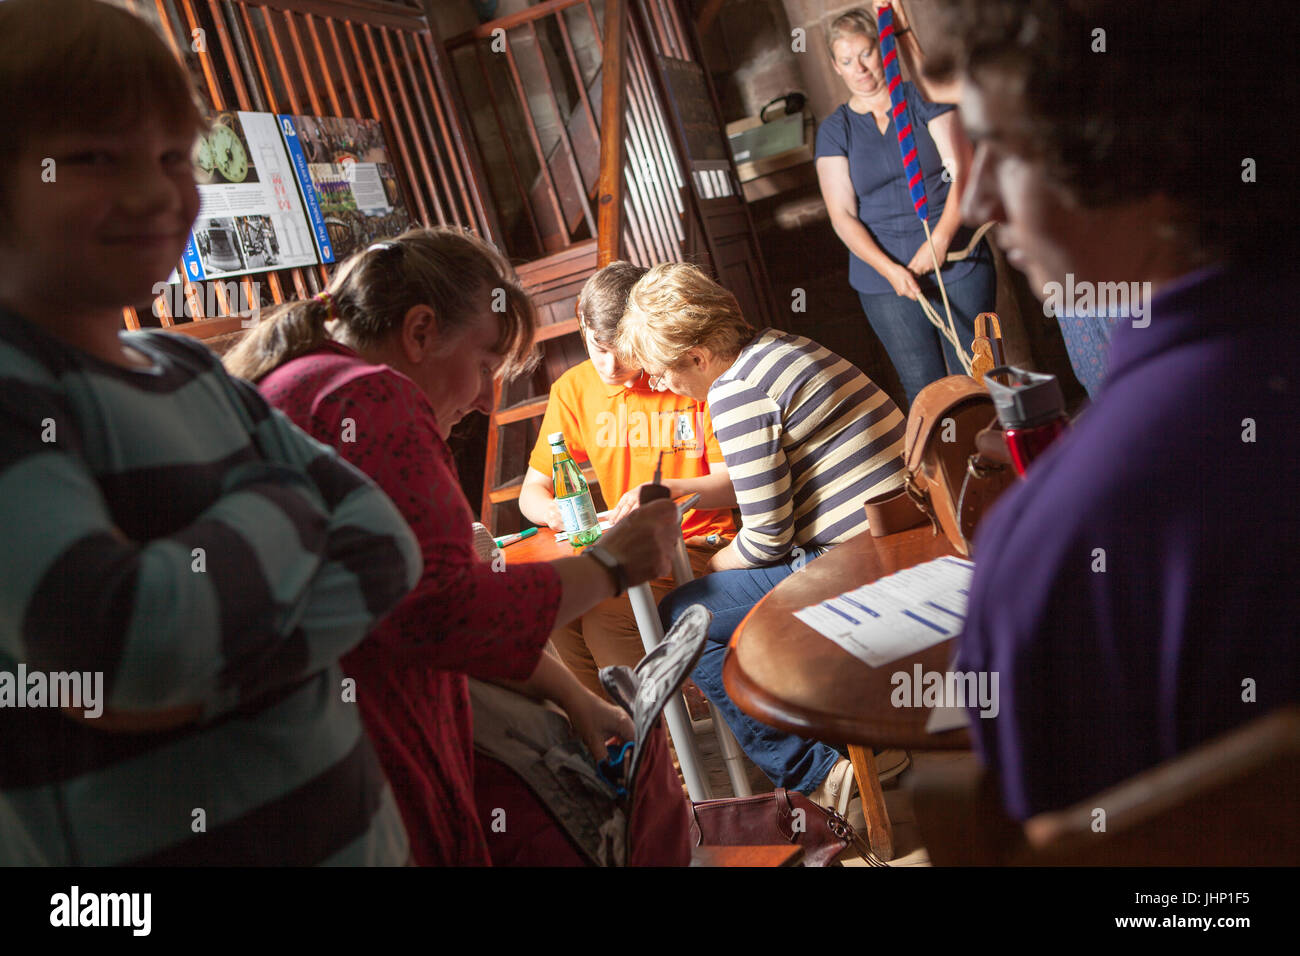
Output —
(980, 467)
(922, 501)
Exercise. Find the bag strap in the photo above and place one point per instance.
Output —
(986, 347)
(892, 512)
(934, 402)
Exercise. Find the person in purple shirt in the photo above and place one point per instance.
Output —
(1136, 594)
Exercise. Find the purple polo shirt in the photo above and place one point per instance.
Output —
(1102, 674)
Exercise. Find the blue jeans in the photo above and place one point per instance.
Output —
(918, 352)
(794, 763)
(1087, 338)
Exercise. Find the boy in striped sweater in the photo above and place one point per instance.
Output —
(168, 534)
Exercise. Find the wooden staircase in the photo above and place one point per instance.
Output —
(553, 283)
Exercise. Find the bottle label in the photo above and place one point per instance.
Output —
(577, 512)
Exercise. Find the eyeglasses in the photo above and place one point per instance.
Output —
(658, 383)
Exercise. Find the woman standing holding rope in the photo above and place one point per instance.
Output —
(866, 190)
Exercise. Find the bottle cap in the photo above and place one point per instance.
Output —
(555, 438)
(1029, 399)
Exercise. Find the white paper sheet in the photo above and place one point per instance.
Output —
(946, 718)
(899, 615)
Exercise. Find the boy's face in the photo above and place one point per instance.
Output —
(112, 222)
(608, 367)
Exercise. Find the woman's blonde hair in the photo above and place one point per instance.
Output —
(447, 268)
(674, 308)
(855, 22)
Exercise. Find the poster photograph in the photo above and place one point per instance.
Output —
(349, 183)
(251, 216)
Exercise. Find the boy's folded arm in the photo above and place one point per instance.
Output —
(198, 615)
(372, 562)
(283, 443)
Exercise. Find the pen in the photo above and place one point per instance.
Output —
(504, 540)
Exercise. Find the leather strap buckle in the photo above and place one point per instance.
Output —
(922, 501)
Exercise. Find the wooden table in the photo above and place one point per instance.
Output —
(782, 672)
(540, 547)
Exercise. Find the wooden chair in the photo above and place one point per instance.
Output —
(1229, 802)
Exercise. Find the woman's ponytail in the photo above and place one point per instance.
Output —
(447, 268)
(284, 333)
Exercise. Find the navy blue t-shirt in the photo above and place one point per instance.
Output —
(884, 204)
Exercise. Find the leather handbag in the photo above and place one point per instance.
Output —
(948, 480)
(771, 819)
(565, 808)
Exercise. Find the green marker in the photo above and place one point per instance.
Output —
(504, 540)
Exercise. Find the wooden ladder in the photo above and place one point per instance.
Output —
(553, 284)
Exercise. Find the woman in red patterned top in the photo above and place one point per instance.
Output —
(409, 338)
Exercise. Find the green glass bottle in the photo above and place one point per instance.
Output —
(572, 495)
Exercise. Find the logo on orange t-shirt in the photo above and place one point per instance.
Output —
(677, 429)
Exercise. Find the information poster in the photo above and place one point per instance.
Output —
(251, 216)
(349, 185)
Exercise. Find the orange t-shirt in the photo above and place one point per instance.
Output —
(621, 432)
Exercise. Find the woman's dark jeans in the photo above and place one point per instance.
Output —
(919, 353)
(794, 763)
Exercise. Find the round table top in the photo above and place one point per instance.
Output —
(782, 672)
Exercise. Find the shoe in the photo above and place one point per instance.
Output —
(837, 789)
(890, 763)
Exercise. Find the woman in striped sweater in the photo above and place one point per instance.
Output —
(806, 436)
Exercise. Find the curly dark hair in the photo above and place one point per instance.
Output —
(1176, 103)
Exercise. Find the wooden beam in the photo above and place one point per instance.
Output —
(372, 12)
(485, 30)
(708, 13)
(609, 217)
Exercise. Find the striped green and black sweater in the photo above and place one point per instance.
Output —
(166, 528)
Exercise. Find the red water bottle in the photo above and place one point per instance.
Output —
(1031, 409)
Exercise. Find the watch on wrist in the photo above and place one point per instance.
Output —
(610, 564)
